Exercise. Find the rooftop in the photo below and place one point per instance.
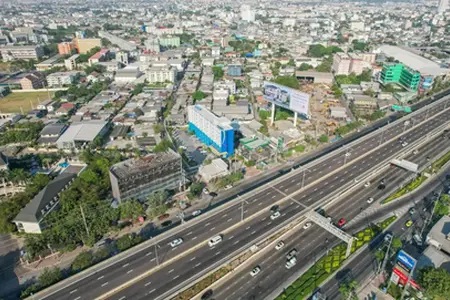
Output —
(223, 122)
(414, 61)
(84, 131)
(140, 165)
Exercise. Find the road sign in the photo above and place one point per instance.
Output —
(406, 259)
(397, 107)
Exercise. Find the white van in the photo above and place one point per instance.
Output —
(215, 240)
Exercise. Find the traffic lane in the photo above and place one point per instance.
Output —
(271, 260)
(232, 242)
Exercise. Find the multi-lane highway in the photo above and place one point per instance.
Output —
(311, 241)
(169, 278)
(363, 266)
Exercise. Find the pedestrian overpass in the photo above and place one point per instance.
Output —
(405, 164)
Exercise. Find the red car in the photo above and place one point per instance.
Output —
(341, 222)
(163, 217)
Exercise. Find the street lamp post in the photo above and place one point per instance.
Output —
(347, 153)
(304, 174)
(242, 207)
(156, 254)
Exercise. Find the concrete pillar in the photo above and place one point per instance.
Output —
(272, 118)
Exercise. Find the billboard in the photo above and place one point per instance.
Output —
(406, 259)
(286, 97)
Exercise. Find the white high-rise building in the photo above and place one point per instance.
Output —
(247, 14)
(443, 6)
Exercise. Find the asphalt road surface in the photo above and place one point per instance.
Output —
(166, 279)
(363, 266)
(313, 240)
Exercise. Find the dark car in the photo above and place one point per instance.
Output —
(274, 208)
(207, 295)
(166, 223)
(381, 187)
(213, 194)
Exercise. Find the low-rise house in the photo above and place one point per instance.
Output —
(65, 109)
(30, 218)
(50, 134)
(216, 169)
(78, 135)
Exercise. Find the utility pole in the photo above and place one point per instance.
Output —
(409, 279)
(428, 220)
(84, 220)
(386, 257)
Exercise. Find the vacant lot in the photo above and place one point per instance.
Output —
(14, 101)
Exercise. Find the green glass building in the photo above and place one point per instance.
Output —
(400, 74)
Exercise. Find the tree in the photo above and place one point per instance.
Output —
(125, 242)
(305, 67)
(137, 89)
(360, 46)
(163, 146)
(319, 50)
(396, 243)
(289, 81)
(325, 66)
(131, 209)
(435, 282)
(49, 277)
(198, 95)
(195, 190)
(323, 138)
(82, 261)
(348, 289)
(157, 203)
(218, 72)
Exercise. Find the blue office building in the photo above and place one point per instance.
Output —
(211, 130)
(235, 70)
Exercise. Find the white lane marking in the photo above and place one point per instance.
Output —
(176, 277)
(283, 214)
(152, 291)
(125, 265)
(170, 271)
(259, 203)
(225, 215)
(253, 232)
(194, 238)
(269, 223)
(77, 298)
(206, 224)
(130, 271)
(148, 254)
(281, 186)
(101, 277)
(230, 219)
(273, 196)
(325, 183)
(298, 183)
(245, 211)
(321, 193)
(121, 298)
(106, 283)
(198, 265)
(332, 186)
(74, 291)
(247, 228)
(342, 180)
(297, 206)
(189, 233)
(315, 190)
(148, 283)
(192, 258)
(231, 237)
(153, 259)
(212, 229)
(236, 242)
(218, 252)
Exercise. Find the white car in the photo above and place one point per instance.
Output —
(176, 242)
(275, 215)
(329, 219)
(348, 154)
(228, 187)
(415, 152)
(404, 144)
(215, 240)
(205, 191)
(291, 262)
(256, 270)
(356, 180)
(367, 184)
(307, 225)
(196, 213)
(370, 200)
(279, 245)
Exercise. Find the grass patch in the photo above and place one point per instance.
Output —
(325, 266)
(441, 161)
(406, 189)
(14, 101)
(203, 284)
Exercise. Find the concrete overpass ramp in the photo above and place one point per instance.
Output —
(410, 166)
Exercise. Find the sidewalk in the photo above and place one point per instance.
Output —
(370, 290)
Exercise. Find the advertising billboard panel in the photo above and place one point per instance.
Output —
(406, 259)
(286, 97)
